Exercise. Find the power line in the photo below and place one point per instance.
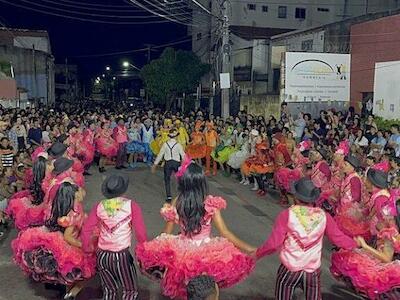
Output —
(89, 6)
(88, 14)
(297, 3)
(82, 19)
(94, 4)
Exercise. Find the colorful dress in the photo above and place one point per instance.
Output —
(224, 150)
(25, 213)
(367, 274)
(135, 144)
(105, 143)
(284, 176)
(45, 256)
(197, 148)
(238, 158)
(86, 149)
(162, 137)
(260, 163)
(183, 257)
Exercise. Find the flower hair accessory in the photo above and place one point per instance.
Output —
(343, 148)
(304, 145)
(187, 160)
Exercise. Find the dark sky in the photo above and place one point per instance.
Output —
(70, 38)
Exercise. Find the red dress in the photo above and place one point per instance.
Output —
(284, 176)
(105, 143)
(86, 149)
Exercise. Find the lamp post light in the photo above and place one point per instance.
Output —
(127, 64)
(108, 68)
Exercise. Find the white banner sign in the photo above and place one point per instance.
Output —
(317, 77)
(225, 80)
(387, 90)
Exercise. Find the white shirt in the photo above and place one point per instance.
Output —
(171, 150)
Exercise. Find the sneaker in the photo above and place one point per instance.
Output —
(246, 182)
(242, 181)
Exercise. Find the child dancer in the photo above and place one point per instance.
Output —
(120, 134)
(194, 252)
(117, 217)
(298, 235)
(105, 144)
(202, 287)
(52, 253)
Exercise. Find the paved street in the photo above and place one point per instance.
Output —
(249, 217)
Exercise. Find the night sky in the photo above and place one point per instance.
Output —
(71, 38)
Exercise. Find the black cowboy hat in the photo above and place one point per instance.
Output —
(322, 151)
(354, 161)
(57, 150)
(114, 186)
(378, 178)
(173, 133)
(62, 164)
(305, 190)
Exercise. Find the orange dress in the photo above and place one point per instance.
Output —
(260, 163)
(197, 148)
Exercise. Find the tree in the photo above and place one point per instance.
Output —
(174, 73)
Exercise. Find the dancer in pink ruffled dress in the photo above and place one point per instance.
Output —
(352, 214)
(52, 253)
(105, 144)
(194, 252)
(26, 207)
(375, 272)
(285, 176)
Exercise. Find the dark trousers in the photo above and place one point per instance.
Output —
(287, 282)
(121, 155)
(117, 272)
(171, 166)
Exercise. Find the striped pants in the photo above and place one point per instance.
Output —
(287, 282)
(117, 272)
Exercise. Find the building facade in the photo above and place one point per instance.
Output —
(28, 52)
(261, 31)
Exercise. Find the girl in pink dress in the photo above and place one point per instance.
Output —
(52, 253)
(26, 207)
(352, 213)
(194, 252)
(375, 272)
(284, 177)
(105, 144)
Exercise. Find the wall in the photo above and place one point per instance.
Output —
(381, 44)
(264, 105)
(8, 89)
(33, 71)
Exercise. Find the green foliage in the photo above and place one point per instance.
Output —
(174, 73)
(5, 67)
(385, 124)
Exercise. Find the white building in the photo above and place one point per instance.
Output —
(253, 22)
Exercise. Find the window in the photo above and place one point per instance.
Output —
(322, 9)
(282, 12)
(199, 36)
(300, 13)
(251, 6)
(265, 8)
(307, 45)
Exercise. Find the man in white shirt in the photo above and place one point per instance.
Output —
(172, 152)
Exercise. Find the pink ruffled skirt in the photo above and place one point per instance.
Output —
(184, 259)
(368, 275)
(47, 257)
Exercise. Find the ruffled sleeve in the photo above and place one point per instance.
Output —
(391, 234)
(169, 213)
(213, 204)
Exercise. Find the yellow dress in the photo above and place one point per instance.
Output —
(183, 137)
(162, 137)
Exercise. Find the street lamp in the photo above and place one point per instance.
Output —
(108, 68)
(127, 64)
(104, 75)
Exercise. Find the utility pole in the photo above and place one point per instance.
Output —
(226, 59)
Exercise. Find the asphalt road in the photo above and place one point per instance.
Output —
(249, 217)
